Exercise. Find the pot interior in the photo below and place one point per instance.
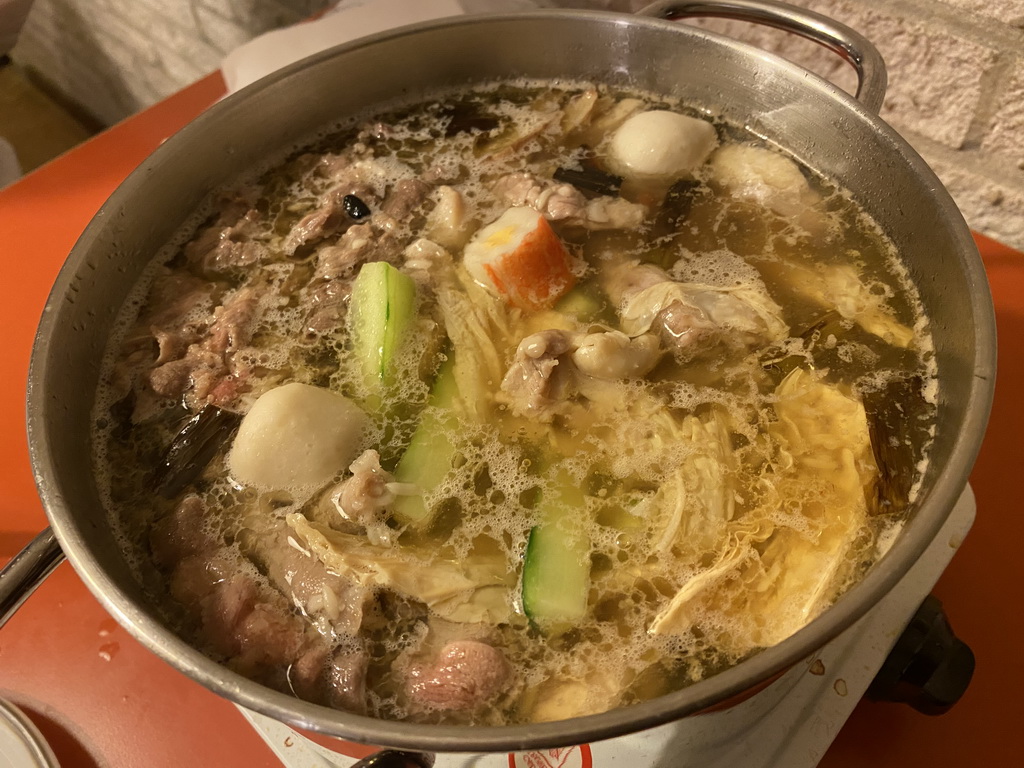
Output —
(819, 125)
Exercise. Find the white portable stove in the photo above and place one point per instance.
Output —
(790, 724)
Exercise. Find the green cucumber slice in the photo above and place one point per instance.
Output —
(556, 567)
(431, 452)
(381, 311)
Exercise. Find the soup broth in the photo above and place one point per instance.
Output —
(516, 405)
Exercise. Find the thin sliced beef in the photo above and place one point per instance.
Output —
(346, 680)
(335, 676)
(224, 610)
(181, 533)
(269, 637)
(175, 301)
(194, 578)
(252, 627)
(222, 246)
(405, 196)
(327, 302)
(304, 580)
(463, 676)
(336, 267)
(232, 325)
(331, 216)
(340, 261)
(171, 345)
(209, 371)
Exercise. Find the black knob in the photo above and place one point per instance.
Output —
(929, 668)
(393, 758)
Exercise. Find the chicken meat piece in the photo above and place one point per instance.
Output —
(690, 317)
(541, 379)
(558, 201)
(365, 495)
(550, 366)
(449, 223)
(614, 355)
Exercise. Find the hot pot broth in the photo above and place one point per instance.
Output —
(555, 399)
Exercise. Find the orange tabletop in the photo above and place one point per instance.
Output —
(103, 700)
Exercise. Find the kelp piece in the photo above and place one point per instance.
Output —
(193, 448)
(898, 421)
(589, 180)
(468, 116)
(471, 591)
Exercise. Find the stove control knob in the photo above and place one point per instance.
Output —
(929, 668)
(394, 758)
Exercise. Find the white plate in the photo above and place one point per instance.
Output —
(21, 744)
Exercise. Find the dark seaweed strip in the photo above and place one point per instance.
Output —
(466, 118)
(679, 199)
(590, 180)
(193, 448)
(895, 424)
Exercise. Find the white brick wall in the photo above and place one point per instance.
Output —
(1008, 11)
(956, 91)
(1005, 132)
(114, 57)
(956, 71)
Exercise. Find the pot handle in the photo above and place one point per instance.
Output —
(856, 49)
(20, 577)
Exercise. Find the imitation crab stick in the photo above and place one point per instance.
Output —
(520, 258)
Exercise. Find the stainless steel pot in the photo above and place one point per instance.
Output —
(826, 129)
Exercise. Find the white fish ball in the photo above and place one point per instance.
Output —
(661, 144)
(296, 437)
(764, 177)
